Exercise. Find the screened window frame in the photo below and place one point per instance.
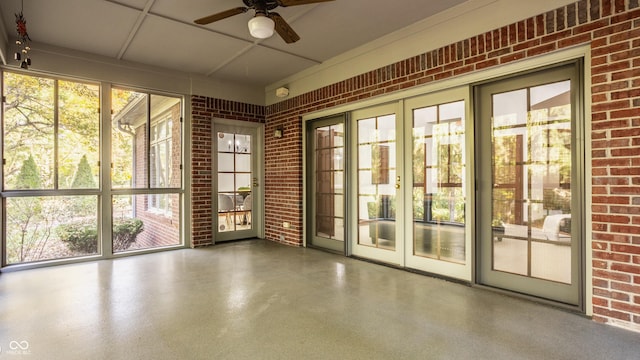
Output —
(56, 190)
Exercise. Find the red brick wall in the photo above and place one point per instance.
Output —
(613, 30)
(203, 111)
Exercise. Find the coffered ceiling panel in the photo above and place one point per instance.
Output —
(162, 32)
(260, 65)
(169, 44)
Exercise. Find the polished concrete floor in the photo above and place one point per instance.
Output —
(261, 300)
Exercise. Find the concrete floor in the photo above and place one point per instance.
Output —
(261, 300)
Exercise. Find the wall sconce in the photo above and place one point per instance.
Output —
(278, 132)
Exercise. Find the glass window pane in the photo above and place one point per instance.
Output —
(137, 227)
(510, 108)
(337, 133)
(376, 182)
(137, 164)
(338, 159)
(424, 118)
(532, 177)
(386, 130)
(225, 142)
(128, 139)
(243, 143)
(338, 203)
(338, 182)
(51, 227)
(339, 226)
(366, 131)
(551, 261)
(226, 182)
(78, 135)
(166, 143)
(243, 163)
(225, 162)
(28, 132)
(243, 181)
(438, 194)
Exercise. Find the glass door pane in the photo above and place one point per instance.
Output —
(532, 182)
(378, 182)
(325, 157)
(532, 240)
(436, 232)
(234, 181)
(237, 182)
(438, 182)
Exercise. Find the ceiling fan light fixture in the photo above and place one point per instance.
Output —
(261, 26)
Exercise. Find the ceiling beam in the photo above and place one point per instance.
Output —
(136, 27)
(148, 12)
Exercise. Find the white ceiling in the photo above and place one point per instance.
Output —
(162, 32)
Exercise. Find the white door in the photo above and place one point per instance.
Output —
(437, 230)
(237, 195)
(377, 192)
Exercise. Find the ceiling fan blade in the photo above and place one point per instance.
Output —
(221, 15)
(283, 29)
(285, 3)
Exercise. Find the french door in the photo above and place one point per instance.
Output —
(377, 156)
(238, 180)
(439, 193)
(325, 190)
(530, 208)
(410, 165)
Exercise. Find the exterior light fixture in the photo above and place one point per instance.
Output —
(261, 26)
(282, 92)
(278, 132)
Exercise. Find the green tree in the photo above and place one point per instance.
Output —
(29, 175)
(84, 177)
(24, 216)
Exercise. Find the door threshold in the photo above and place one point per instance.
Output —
(576, 309)
(412, 270)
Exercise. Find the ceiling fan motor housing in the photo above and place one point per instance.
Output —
(261, 5)
(264, 21)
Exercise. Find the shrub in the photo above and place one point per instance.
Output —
(83, 237)
(125, 233)
(79, 236)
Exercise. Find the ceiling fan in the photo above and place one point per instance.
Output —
(264, 22)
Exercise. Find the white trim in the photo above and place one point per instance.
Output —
(258, 215)
(588, 193)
